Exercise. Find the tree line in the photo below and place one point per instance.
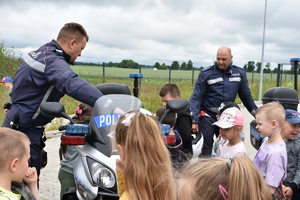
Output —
(251, 66)
(134, 65)
(10, 59)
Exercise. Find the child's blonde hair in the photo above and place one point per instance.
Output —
(13, 145)
(273, 111)
(147, 169)
(200, 179)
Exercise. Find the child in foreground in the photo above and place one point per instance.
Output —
(15, 153)
(175, 149)
(271, 157)
(144, 170)
(289, 133)
(183, 122)
(231, 124)
(219, 110)
(222, 179)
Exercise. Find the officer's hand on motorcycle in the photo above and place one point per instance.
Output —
(195, 128)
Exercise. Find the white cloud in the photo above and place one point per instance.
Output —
(152, 31)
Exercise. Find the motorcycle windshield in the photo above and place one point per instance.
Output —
(105, 115)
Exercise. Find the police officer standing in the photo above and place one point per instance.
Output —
(216, 84)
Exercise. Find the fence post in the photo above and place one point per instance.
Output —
(103, 74)
(281, 73)
(193, 72)
(278, 82)
(170, 75)
(140, 71)
(294, 62)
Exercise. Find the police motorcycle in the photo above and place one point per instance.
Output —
(94, 172)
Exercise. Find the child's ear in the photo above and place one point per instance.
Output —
(13, 164)
(239, 128)
(274, 123)
(121, 152)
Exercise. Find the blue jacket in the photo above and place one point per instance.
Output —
(292, 179)
(45, 75)
(215, 86)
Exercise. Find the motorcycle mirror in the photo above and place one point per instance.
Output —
(54, 109)
(175, 106)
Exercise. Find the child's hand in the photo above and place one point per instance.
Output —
(30, 179)
(120, 165)
(287, 192)
(31, 176)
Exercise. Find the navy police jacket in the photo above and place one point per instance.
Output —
(45, 75)
(292, 179)
(215, 86)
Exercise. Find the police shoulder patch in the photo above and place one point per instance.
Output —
(207, 68)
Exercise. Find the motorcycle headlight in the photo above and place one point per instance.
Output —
(101, 174)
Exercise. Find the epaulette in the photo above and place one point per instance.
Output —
(208, 68)
(237, 67)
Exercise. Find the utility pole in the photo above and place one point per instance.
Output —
(262, 55)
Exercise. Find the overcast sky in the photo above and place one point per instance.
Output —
(149, 31)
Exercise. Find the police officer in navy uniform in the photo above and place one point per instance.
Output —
(45, 75)
(216, 84)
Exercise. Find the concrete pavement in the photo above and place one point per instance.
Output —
(49, 183)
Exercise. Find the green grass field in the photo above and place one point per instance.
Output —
(152, 82)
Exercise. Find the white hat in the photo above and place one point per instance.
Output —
(230, 117)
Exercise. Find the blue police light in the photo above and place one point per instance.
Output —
(295, 60)
(136, 75)
(77, 129)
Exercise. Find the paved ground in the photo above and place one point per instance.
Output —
(49, 183)
(50, 186)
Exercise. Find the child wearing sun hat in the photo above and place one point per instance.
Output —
(231, 124)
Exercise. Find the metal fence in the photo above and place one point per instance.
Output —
(169, 75)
